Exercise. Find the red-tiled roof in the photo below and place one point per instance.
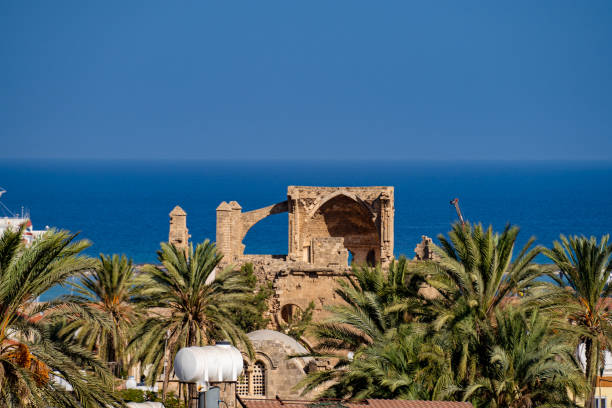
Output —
(370, 403)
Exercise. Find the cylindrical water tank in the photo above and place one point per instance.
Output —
(218, 363)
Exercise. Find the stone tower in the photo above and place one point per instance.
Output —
(179, 234)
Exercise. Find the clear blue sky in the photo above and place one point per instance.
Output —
(306, 79)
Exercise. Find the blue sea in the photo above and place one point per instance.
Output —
(123, 206)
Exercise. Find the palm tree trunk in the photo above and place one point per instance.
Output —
(167, 370)
(192, 388)
(590, 371)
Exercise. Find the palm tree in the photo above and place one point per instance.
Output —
(475, 275)
(109, 292)
(529, 364)
(582, 292)
(31, 359)
(191, 305)
(371, 338)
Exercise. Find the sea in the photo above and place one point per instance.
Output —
(122, 206)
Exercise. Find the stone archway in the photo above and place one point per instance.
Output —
(343, 216)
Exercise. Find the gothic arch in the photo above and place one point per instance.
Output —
(339, 193)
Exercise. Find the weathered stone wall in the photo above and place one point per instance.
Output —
(363, 216)
(328, 251)
(327, 227)
(298, 288)
(272, 350)
(295, 283)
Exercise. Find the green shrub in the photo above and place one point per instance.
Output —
(132, 395)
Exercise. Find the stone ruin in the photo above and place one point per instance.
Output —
(424, 250)
(326, 224)
(327, 227)
(179, 234)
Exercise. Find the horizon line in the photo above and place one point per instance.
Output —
(312, 159)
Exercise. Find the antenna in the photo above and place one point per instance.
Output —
(4, 208)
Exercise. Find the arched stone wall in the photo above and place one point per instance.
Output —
(324, 224)
(358, 218)
(344, 217)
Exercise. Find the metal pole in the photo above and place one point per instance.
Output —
(202, 400)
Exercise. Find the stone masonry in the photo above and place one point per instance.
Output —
(327, 227)
(179, 234)
(322, 220)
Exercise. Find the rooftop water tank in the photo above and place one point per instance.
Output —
(219, 363)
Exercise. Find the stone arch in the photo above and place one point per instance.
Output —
(233, 225)
(290, 312)
(347, 194)
(343, 215)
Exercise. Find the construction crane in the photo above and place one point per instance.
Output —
(455, 202)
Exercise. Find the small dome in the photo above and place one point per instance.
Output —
(293, 346)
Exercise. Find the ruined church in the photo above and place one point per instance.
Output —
(329, 227)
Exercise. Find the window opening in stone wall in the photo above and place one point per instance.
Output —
(350, 258)
(259, 379)
(600, 402)
(290, 313)
(371, 258)
(242, 388)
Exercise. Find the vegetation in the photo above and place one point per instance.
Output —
(252, 318)
(463, 327)
(481, 323)
(135, 395)
(583, 292)
(109, 295)
(191, 304)
(32, 361)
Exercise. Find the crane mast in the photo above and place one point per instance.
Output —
(455, 202)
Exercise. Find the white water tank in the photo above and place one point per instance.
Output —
(148, 404)
(219, 363)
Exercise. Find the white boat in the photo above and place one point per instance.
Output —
(11, 221)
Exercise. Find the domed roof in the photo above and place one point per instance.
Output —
(289, 342)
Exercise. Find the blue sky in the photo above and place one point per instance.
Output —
(306, 79)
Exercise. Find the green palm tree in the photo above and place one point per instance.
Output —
(376, 332)
(530, 364)
(31, 358)
(403, 365)
(191, 305)
(583, 290)
(109, 294)
(475, 275)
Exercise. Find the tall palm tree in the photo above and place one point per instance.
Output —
(191, 305)
(583, 293)
(109, 292)
(475, 275)
(31, 359)
(530, 364)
